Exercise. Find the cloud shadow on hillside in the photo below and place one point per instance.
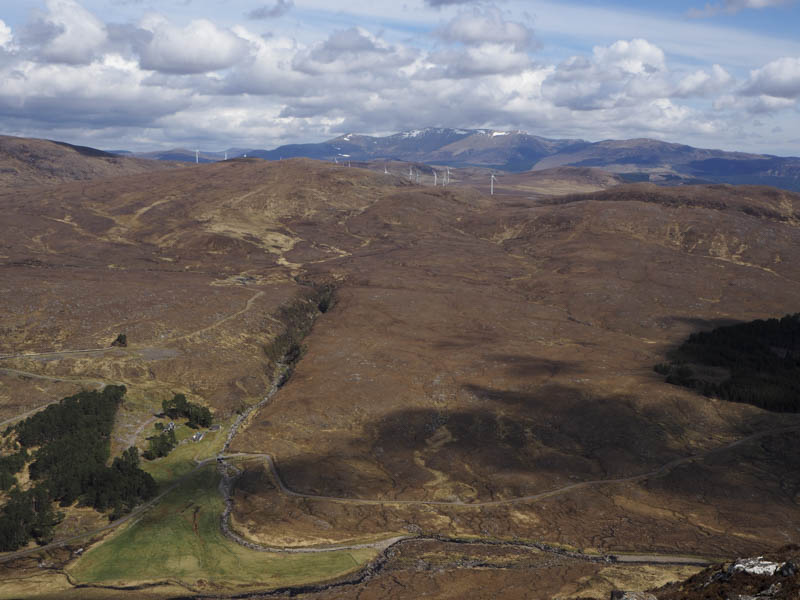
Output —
(515, 443)
(520, 365)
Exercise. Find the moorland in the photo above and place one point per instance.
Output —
(418, 390)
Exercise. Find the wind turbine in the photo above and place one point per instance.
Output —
(385, 170)
(410, 173)
(435, 178)
(492, 182)
(226, 156)
(447, 177)
(197, 156)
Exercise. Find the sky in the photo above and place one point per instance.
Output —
(217, 74)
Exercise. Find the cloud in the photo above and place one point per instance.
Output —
(479, 43)
(103, 94)
(733, 6)
(637, 57)
(701, 83)
(482, 60)
(486, 27)
(268, 69)
(66, 33)
(280, 8)
(68, 74)
(126, 39)
(753, 105)
(6, 37)
(778, 79)
(200, 47)
(621, 74)
(353, 51)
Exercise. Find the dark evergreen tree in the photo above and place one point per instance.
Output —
(160, 445)
(762, 359)
(70, 464)
(198, 416)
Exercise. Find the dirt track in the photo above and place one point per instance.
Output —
(384, 544)
(522, 499)
(381, 545)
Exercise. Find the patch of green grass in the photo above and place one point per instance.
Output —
(180, 539)
(186, 455)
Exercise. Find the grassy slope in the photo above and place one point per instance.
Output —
(185, 456)
(180, 539)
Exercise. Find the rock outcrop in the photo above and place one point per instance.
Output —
(770, 577)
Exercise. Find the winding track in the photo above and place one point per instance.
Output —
(247, 306)
(100, 384)
(519, 499)
(385, 544)
(58, 353)
(382, 545)
(21, 416)
(66, 379)
(54, 353)
(131, 439)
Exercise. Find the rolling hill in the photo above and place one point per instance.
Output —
(481, 383)
(28, 162)
(667, 163)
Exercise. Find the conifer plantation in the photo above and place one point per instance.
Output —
(66, 448)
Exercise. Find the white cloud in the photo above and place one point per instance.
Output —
(159, 80)
(761, 104)
(621, 74)
(486, 27)
(479, 43)
(199, 47)
(104, 93)
(268, 69)
(732, 47)
(637, 57)
(475, 61)
(6, 37)
(780, 79)
(702, 83)
(354, 51)
(67, 33)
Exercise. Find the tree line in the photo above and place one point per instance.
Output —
(71, 443)
(762, 359)
(179, 406)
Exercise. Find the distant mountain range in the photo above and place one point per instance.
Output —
(517, 151)
(508, 151)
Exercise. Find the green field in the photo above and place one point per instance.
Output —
(186, 455)
(180, 539)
